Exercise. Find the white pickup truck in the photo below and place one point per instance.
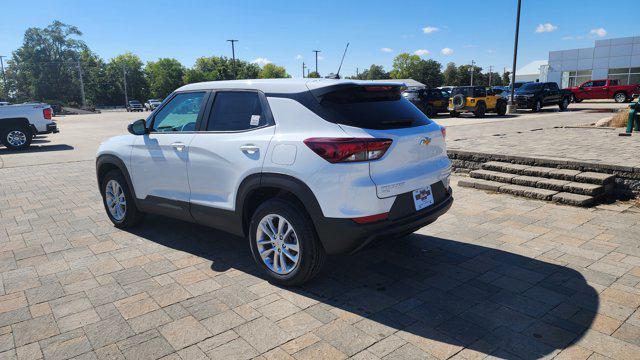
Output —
(19, 124)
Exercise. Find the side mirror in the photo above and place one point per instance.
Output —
(138, 127)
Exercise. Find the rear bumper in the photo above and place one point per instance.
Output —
(340, 236)
(464, 109)
(52, 128)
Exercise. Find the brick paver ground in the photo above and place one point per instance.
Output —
(497, 276)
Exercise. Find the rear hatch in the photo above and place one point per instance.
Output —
(417, 156)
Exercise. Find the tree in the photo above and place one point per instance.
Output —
(313, 75)
(97, 87)
(45, 66)
(506, 78)
(272, 71)
(428, 72)
(163, 76)
(450, 74)
(374, 72)
(220, 68)
(137, 86)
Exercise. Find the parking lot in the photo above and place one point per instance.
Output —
(496, 276)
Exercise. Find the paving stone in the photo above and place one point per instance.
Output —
(136, 305)
(298, 324)
(29, 352)
(504, 167)
(44, 293)
(78, 320)
(236, 349)
(150, 349)
(408, 351)
(66, 345)
(106, 294)
(217, 340)
(584, 189)
(530, 192)
(263, 334)
(34, 330)
(564, 174)
(169, 294)
(278, 310)
(320, 350)
(552, 184)
(223, 322)
(108, 331)
(492, 175)
(573, 199)
(595, 178)
(149, 321)
(346, 338)
(184, 332)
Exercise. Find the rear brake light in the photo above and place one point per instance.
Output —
(336, 150)
(371, 218)
(48, 113)
(379, 88)
(443, 130)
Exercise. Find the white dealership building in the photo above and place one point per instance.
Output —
(610, 59)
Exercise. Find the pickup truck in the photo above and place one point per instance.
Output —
(19, 124)
(604, 89)
(535, 95)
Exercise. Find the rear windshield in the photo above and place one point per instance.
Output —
(371, 107)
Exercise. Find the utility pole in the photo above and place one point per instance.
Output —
(4, 78)
(233, 57)
(124, 76)
(317, 51)
(473, 67)
(303, 67)
(490, 70)
(512, 108)
(84, 100)
(357, 72)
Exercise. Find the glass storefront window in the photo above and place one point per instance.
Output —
(625, 76)
(575, 78)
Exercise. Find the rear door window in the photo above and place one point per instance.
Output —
(236, 111)
(371, 107)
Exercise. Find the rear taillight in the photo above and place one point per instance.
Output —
(336, 150)
(443, 130)
(48, 113)
(371, 218)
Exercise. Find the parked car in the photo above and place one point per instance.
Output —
(134, 105)
(430, 101)
(536, 95)
(4, 103)
(603, 89)
(348, 162)
(477, 100)
(503, 91)
(19, 124)
(152, 104)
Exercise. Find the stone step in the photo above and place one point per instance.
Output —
(528, 191)
(540, 182)
(548, 172)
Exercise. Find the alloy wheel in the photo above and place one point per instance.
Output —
(277, 244)
(116, 201)
(16, 138)
(621, 97)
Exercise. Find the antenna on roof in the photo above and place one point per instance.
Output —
(337, 75)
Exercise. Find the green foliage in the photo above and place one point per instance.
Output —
(374, 72)
(313, 75)
(450, 75)
(137, 86)
(506, 78)
(428, 72)
(45, 66)
(163, 76)
(272, 71)
(220, 68)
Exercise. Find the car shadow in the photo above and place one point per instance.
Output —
(37, 148)
(449, 294)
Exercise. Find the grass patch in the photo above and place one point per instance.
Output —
(620, 119)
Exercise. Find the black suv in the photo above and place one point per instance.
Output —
(430, 101)
(536, 95)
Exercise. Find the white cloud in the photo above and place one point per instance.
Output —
(298, 57)
(599, 32)
(546, 27)
(430, 29)
(387, 50)
(446, 51)
(261, 61)
(421, 52)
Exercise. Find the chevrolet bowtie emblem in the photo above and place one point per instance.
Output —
(425, 141)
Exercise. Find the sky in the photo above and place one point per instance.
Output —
(286, 32)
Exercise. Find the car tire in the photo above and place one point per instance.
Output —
(114, 186)
(620, 97)
(17, 138)
(481, 109)
(501, 109)
(564, 104)
(576, 100)
(454, 114)
(537, 106)
(310, 256)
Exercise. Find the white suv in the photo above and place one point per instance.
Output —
(302, 168)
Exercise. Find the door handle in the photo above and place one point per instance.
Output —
(249, 148)
(178, 146)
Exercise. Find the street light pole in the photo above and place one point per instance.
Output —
(303, 67)
(233, 57)
(473, 67)
(490, 70)
(4, 77)
(84, 100)
(512, 108)
(124, 76)
(316, 51)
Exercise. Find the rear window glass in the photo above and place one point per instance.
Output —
(372, 107)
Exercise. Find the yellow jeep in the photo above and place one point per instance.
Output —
(476, 99)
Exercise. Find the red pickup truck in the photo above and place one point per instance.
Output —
(604, 89)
